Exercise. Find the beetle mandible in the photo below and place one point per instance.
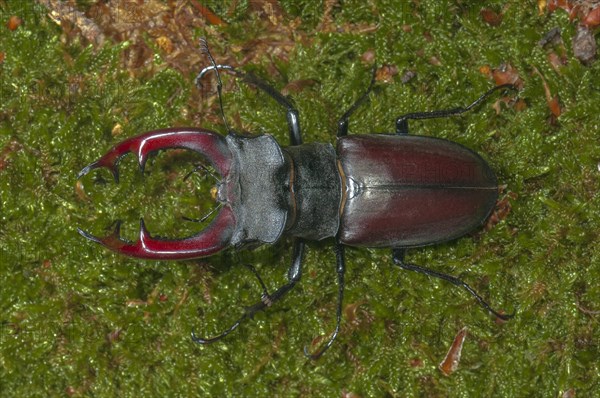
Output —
(395, 191)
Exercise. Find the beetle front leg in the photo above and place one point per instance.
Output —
(398, 258)
(292, 115)
(341, 270)
(293, 118)
(293, 276)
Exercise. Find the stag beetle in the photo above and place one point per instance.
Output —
(395, 191)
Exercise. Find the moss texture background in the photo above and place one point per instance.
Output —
(78, 320)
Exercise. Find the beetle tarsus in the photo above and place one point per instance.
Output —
(204, 217)
(398, 257)
(200, 166)
(265, 297)
(210, 68)
(341, 270)
(112, 241)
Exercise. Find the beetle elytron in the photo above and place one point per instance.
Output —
(393, 191)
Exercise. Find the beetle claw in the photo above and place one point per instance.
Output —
(98, 164)
(112, 241)
(216, 237)
(205, 142)
(213, 239)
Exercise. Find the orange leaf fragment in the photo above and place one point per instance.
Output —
(450, 363)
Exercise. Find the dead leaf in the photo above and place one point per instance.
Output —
(592, 19)
(14, 22)
(491, 17)
(297, 85)
(584, 45)
(507, 74)
(450, 363)
(207, 13)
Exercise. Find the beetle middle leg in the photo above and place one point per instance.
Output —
(343, 122)
(402, 121)
(398, 258)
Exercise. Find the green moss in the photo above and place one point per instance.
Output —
(77, 319)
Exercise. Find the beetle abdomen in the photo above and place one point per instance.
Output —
(407, 191)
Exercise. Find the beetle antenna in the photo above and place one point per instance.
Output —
(204, 49)
(204, 217)
(200, 166)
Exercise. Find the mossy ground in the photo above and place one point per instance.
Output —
(82, 321)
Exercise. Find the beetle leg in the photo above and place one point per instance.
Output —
(294, 275)
(343, 122)
(266, 297)
(398, 257)
(402, 120)
(293, 117)
(341, 270)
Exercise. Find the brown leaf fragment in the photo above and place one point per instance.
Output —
(491, 17)
(506, 74)
(63, 11)
(592, 19)
(568, 5)
(501, 211)
(80, 191)
(297, 86)
(551, 100)
(207, 13)
(450, 363)
(14, 22)
(386, 73)
(570, 393)
(5, 155)
(368, 57)
(584, 45)
(556, 61)
(435, 61)
(165, 44)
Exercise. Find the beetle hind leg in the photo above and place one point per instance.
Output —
(398, 258)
